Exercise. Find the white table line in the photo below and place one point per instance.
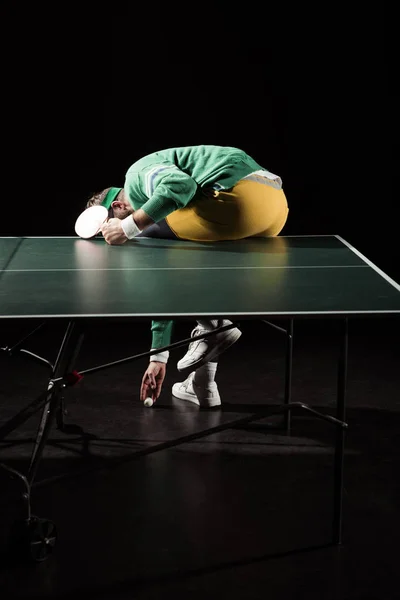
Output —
(286, 267)
(370, 263)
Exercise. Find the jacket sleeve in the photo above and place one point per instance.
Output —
(161, 331)
(167, 189)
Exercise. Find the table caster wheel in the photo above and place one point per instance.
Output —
(32, 540)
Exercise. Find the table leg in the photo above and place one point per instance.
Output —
(340, 435)
(64, 363)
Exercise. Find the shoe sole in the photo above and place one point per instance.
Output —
(213, 353)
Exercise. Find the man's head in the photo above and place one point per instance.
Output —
(114, 200)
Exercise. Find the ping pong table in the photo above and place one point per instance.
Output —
(76, 281)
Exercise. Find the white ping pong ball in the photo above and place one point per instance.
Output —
(148, 402)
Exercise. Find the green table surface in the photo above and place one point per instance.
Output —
(150, 278)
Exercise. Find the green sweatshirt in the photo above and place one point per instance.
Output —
(162, 182)
(165, 181)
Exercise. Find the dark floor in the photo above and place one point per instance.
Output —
(242, 513)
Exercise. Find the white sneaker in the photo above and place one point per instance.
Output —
(202, 396)
(202, 351)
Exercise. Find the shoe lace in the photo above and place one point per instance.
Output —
(196, 331)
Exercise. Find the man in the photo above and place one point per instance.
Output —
(198, 193)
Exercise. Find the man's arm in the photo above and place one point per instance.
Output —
(141, 219)
(134, 223)
(116, 231)
(154, 375)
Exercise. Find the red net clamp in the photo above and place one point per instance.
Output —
(72, 378)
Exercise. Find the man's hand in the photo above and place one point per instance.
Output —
(113, 233)
(152, 381)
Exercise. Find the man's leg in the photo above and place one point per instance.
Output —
(208, 349)
(249, 209)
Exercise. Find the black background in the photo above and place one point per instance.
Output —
(307, 89)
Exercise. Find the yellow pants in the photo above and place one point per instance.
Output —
(252, 208)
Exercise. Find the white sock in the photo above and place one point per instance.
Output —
(211, 324)
(205, 374)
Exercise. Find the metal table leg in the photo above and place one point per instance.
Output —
(340, 436)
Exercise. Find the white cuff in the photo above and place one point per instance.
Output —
(129, 227)
(160, 357)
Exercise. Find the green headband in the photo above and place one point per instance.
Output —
(110, 196)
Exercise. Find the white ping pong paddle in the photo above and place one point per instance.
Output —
(89, 222)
